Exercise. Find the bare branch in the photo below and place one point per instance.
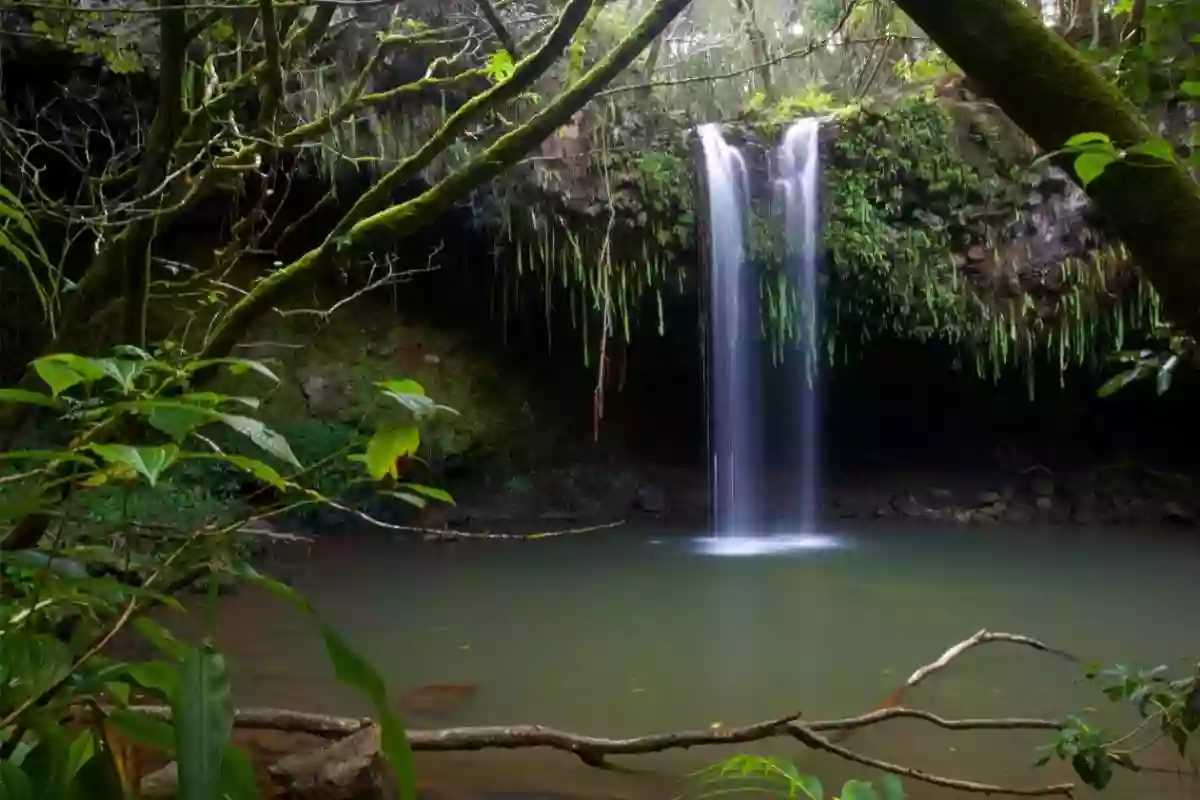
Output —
(497, 25)
(800, 52)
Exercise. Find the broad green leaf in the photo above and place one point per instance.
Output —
(237, 776)
(28, 398)
(1080, 139)
(57, 376)
(141, 728)
(237, 366)
(1190, 88)
(177, 420)
(82, 749)
(147, 461)
(203, 717)
(1160, 149)
(858, 790)
(90, 369)
(122, 370)
(1089, 166)
(262, 436)
(432, 492)
(156, 676)
(891, 787)
(388, 445)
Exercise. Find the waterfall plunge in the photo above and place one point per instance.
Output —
(799, 174)
(736, 407)
(736, 455)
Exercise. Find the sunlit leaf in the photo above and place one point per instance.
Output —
(147, 461)
(1190, 88)
(387, 446)
(57, 376)
(1081, 139)
(203, 717)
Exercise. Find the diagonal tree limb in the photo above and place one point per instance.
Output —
(396, 221)
(498, 28)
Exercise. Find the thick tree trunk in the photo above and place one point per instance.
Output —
(1052, 92)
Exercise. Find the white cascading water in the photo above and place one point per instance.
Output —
(736, 474)
(799, 175)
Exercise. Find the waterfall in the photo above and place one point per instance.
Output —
(733, 323)
(799, 174)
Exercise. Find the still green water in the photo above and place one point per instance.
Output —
(626, 633)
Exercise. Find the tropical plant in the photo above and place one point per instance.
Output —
(129, 420)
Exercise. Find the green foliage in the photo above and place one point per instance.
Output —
(781, 778)
(1169, 709)
(97, 572)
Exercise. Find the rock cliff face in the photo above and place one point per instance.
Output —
(940, 225)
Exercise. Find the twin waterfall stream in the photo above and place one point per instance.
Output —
(738, 424)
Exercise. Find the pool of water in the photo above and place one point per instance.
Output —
(629, 633)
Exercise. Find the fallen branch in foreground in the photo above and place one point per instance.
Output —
(352, 761)
(358, 742)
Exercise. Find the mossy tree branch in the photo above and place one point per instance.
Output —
(273, 91)
(397, 221)
(1052, 92)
